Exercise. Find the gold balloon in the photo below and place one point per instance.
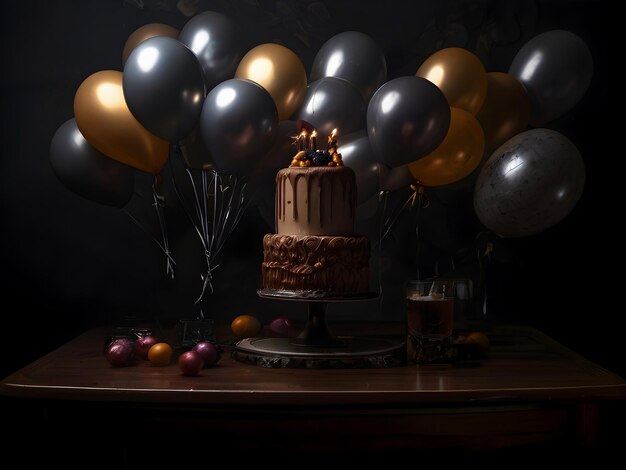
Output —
(106, 122)
(456, 157)
(280, 72)
(146, 32)
(505, 112)
(460, 75)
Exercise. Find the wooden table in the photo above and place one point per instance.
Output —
(527, 389)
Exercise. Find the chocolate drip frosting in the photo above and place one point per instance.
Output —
(315, 201)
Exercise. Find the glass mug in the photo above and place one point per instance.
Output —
(430, 321)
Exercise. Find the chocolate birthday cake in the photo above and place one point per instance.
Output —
(314, 252)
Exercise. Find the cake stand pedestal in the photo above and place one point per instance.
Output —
(316, 347)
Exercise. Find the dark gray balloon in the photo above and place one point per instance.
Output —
(529, 184)
(355, 57)
(397, 178)
(194, 152)
(281, 153)
(556, 68)
(263, 180)
(87, 172)
(164, 87)
(239, 122)
(213, 39)
(357, 153)
(332, 103)
(407, 118)
(365, 212)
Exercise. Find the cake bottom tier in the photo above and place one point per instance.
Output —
(337, 265)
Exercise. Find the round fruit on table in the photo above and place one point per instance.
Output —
(190, 363)
(208, 351)
(160, 354)
(478, 341)
(246, 326)
(119, 352)
(281, 326)
(143, 345)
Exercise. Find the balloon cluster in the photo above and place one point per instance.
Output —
(439, 126)
(228, 111)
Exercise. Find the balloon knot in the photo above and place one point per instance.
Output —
(419, 195)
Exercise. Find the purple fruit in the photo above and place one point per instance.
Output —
(208, 351)
(281, 326)
(119, 352)
(143, 345)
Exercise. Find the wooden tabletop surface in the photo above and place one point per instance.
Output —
(523, 365)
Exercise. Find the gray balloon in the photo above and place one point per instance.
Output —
(239, 122)
(397, 178)
(332, 103)
(357, 153)
(263, 180)
(213, 39)
(407, 118)
(194, 152)
(164, 87)
(281, 153)
(87, 172)
(556, 68)
(529, 184)
(354, 57)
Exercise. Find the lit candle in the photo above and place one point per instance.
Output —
(302, 140)
(313, 141)
(332, 138)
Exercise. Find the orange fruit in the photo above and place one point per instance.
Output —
(160, 354)
(246, 326)
(478, 341)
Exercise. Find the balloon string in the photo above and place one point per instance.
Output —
(206, 239)
(419, 196)
(158, 207)
(215, 220)
(165, 251)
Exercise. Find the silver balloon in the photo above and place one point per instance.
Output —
(357, 153)
(164, 87)
(213, 39)
(407, 118)
(529, 184)
(355, 57)
(556, 68)
(332, 103)
(238, 123)
(87, 172)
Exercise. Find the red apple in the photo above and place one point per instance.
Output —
(143, 345)
(208, 351)
(190, 363)
(119, 352)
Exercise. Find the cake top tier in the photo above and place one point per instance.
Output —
(315, 200)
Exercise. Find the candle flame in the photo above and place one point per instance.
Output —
(334, 133)
(314, 133)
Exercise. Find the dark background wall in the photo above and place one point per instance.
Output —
(68, 264)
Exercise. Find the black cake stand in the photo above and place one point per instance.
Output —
(316, 347)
